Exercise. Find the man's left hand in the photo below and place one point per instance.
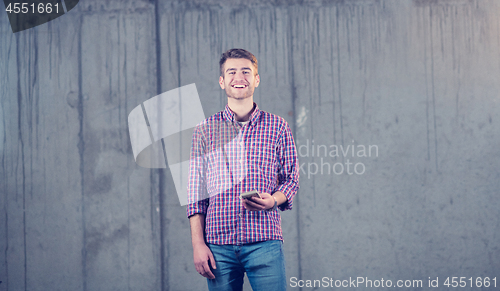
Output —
(257, 204)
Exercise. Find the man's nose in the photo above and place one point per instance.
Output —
(239, 76)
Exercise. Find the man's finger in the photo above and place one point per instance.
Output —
(212, 260)
(248, 205)
(254, 204)
(198, 269)
(201, 270)
(207, 272)
(253, 208)
(259, 201)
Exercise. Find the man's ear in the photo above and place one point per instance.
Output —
(221, 82)
(257, 80)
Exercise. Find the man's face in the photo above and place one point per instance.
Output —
(240, 79)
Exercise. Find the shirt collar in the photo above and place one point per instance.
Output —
(228, 114)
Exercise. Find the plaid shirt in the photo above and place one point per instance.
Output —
(228, 159)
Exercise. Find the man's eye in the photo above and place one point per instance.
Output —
(231, 73)
(246, 72)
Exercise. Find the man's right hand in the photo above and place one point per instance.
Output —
(202, 256)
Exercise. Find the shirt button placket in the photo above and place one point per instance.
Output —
(242, 156)
(240, 231)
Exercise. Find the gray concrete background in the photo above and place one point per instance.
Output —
(418, 79)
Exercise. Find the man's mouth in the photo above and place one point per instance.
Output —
(239, 86)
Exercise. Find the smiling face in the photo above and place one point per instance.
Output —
(240, 78)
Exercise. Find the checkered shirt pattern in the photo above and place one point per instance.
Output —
(228, 159)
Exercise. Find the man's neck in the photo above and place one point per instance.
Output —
(242, 109)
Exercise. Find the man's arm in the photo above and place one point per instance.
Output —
(288, 177)
(289, 180)
(201, 253)
(197, 193)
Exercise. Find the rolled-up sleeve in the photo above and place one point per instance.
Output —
(288, 176)
(197, 190)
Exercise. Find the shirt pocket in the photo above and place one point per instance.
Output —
(263, 162)
(218, 175)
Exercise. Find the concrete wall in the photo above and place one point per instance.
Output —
(418, 81)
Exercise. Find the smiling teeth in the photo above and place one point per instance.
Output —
(239, 86)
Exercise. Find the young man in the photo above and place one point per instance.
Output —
(234, 151)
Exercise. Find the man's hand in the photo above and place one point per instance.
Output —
(202, 255)
(257, 204)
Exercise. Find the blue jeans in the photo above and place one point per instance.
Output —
(263, 262)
